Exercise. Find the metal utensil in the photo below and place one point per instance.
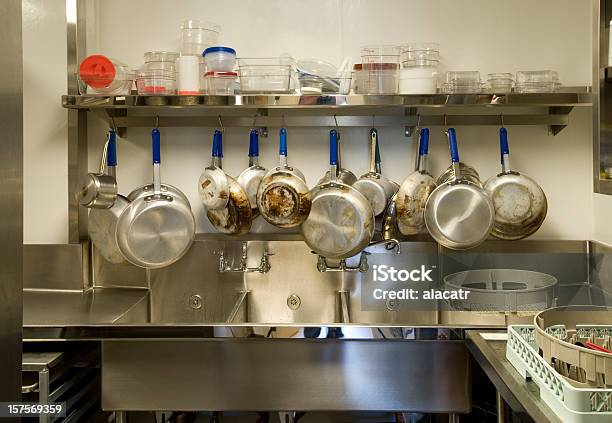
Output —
(156, 230)
(520, 203)
(459, 214)
(283, 198)
(99, 190)
(102, 222)
(341, 220)
(236, 217)
(414, 192)
(213, 184)
(251, 177)
(375, 187)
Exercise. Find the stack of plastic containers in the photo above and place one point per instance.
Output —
(462, 82)
(378, 72)
(196, 36)
(103, 76)
(158, 74)
(544, 81)
(219, 78)
(419, 73)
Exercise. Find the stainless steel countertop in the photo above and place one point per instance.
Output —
(520, 394)
(70, 308)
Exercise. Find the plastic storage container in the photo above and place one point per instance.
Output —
(380, 54)
(500, 82)
(220, 59)
(156, 82)
(376, 78)
(198, 35)
(219, 83)
(544, 81)
(101, 75)
(188, 75)
(420, 54)
(464, 82)
(160, 60)
(418, 80)
(265, 74)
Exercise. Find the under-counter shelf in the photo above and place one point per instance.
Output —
(551, 109)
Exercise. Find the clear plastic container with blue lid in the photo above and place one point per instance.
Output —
(219, 59)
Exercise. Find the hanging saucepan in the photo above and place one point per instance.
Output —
(344, 175)
(459, 214)
(102, 222)
(156, 230)
(213, 185)
(251, 177)
(414, 192)
(375, 187)
(341, 220)
(99, 190)
(283, 197)
(520, 203)
(237, 215)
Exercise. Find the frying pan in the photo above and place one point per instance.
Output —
(414, 192)
(213, 185)
(458, 214)
(102, 223)
(341, 220)
(251, 177)
(98, 190)
(283, 198)
(375, 187)
(155, 230)
(236, 217)
(520, 203)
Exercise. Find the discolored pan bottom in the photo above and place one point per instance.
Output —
(410, 204)
(283, 206)
(236, 217)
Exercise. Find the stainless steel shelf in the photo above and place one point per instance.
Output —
(551, 109)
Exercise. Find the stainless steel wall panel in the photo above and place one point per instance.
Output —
(286, 374)
(56, 266)
(11, 199)
(293, 272)
(196, 273)
(105, 274)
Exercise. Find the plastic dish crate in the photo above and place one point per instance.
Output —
(570, 403)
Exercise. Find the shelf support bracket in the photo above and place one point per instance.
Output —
(558, 110)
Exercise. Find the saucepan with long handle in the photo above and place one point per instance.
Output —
(99, 190)
(157, 229)
(459, 214)
(102, 222)
(520, 203)
(373, 185)
(251, 177)
(283, 198)
(341, 220)
(237, 215)
(414, 192)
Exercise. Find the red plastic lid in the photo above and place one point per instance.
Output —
(212, 73)
(97, 71)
